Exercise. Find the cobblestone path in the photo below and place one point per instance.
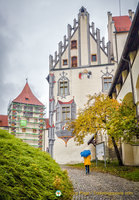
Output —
(100, 186)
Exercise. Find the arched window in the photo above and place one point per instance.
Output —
(74, 61)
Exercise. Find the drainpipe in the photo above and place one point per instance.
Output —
(116, 47)
(132, 87)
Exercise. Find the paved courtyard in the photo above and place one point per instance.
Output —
(100, 186)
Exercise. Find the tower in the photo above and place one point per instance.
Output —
(26, 121)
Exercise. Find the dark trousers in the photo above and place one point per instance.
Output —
(87, 169)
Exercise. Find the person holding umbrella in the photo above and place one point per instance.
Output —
(86, 154)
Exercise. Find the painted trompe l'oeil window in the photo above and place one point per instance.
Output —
(106, 79)
(107, 83)
(65, 111)
(63, 85)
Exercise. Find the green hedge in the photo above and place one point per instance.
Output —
(26, 173)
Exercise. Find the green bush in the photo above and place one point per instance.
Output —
(27, 173)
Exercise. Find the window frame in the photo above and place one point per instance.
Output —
(107, 83)
(74, 62)
(66, 110)
(64, 88)
(34, 130)
(92, 55)
(64, 62)
(73, 44)
(65, 82)
(23, 130)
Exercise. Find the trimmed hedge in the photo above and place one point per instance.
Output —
(26, 173)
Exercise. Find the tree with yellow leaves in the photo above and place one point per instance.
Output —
(102, 114)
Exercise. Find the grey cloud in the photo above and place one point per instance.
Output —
(30, 30)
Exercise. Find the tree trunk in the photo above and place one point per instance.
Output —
(117, 152)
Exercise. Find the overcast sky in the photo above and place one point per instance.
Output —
(31, 29)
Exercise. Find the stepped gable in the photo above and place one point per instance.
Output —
(27, 97)
(3, 120)
(122, 23)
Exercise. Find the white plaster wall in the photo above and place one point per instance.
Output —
(64, 56)
(104, 58)
(135, 72)
(79, 89)
(130, 153)
(74, 52)
(84, 41)
(71, 153)
(45, 140)
(93, 49)
(121, 38)
(126, 88)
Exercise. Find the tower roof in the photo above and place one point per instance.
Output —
(122, 23)
(27, 97)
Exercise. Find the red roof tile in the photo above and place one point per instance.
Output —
(3, 120)
(26, 96)
(122, 23)
(69, 102)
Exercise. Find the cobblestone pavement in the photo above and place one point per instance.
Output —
(100, 186)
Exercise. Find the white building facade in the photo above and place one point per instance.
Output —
(84, 65)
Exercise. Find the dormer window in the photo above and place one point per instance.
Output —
(26, 98)
(74, 44)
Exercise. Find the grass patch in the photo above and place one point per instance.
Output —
(26, 173)
(127, 172)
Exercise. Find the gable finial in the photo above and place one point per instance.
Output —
(83, 12)
(26, 80)
(82, 9)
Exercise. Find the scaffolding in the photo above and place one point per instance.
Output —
(26, 121)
